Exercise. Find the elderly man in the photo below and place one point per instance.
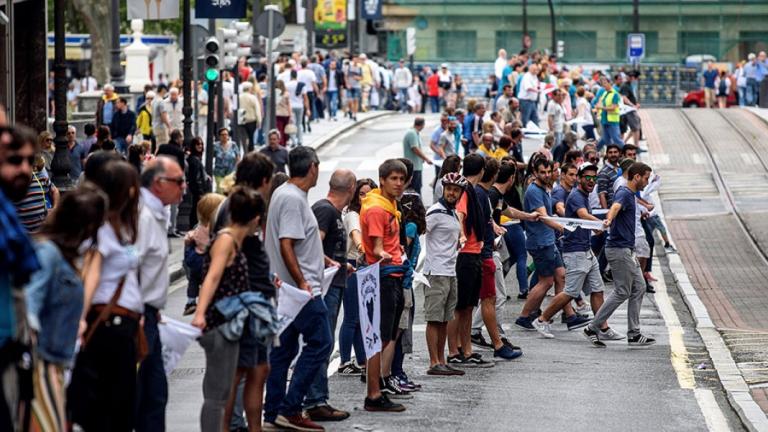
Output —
(77, 154)
(274, 151)
(106, 106)
(162, 184)
(251, 108)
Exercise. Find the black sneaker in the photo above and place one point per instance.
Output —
(650, 289)
(640, 341)
(592, 337)
(391, 388)
(564, 319)
(383, 404)
(576, 322)
(456, 360)
(350, 369)
(476, 360)
(506, 342)
(190, 308)
(522, 296)
(607, 276)
(525, 323)
(479, 340)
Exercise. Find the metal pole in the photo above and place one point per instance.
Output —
(11, 53)
(61, 164)
(354, 31)
(209, 129)
(552, 24)
(525, 21)
(309, 25)
(187, 74)
(636, 16)
(270, 70)
(235, 124)
(115, 69)
(220, 123)
(256, 52)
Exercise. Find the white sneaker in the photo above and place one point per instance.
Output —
(583, 309)
(610, 334)
(544, 328)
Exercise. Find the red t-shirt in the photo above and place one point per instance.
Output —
(432, 85)
(377, 222)
(473, 245)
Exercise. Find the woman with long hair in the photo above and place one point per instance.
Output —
(198, 182)
(350, 334)
(515, 235)
(54, 298)
(282, 110)
(227, 276)
(102, 394)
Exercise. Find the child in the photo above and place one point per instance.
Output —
(196, 247)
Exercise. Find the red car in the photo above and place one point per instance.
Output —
(695, 99)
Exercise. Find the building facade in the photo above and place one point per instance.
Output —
(591, 30)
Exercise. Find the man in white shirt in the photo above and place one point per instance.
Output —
(308, 77)
(297, 94)
(500, 64)
(162, 184)
(403, 80)
(529, 95)
(556, 116)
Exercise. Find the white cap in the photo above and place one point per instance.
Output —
(444, 66)
(150, 95)
(751, 56)
(363, 56)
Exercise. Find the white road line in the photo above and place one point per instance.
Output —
(716, 421)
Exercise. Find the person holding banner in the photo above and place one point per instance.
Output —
(295, 253)
(628, 279)
(380, 226)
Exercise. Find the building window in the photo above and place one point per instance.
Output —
(456, 45)
(512, 41)
(695, 42)
(651, 44)
(752, 42)
(579, 45)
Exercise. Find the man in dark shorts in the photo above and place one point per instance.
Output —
(380, 229)
(469, 268)
(540, 243)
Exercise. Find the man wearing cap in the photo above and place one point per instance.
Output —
(403, 80)
(251, 113)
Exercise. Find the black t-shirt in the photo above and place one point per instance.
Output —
(174, 151)
(498, 204)
(490, 236)
(626, 90)
(512, 198)
(335, 242)
(259, 277)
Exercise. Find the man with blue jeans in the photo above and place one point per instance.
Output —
(540, 243)
(608, 104)
(628, 282)
(334, 79)
(295, 253)
(328, 214)
(528, 94)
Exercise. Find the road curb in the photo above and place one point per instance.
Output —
(176, 270)
(737, 390)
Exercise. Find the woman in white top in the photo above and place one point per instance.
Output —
(584, 113)
(350, 334)
(102, 394)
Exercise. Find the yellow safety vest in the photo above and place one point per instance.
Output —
(612, 115)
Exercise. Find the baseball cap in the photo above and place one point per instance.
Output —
(587, 167)
(444, 66)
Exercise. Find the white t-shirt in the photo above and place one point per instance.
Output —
(352, 223)
(442, 239)
(556, 111)
(296, 101)
(118, 260)
(308, 78)
(584, 108)
(529, 87)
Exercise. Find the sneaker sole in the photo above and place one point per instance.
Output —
(507, 359)
(524, 327)
(286, 425)
(611, 339)
(578, 326)
(399, 397)
(486, 347)
(641, 346)
(377, 409)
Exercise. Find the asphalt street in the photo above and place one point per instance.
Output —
(559, 384)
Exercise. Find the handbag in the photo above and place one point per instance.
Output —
(291, 129)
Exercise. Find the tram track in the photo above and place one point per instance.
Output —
(720, 177)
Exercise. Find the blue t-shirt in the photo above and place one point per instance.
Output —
(622, 232)
(709, 78)
(107, 112)
(415, 248)
(537, 234)
(505, 76)
(559, 194)
(7, 313)
(578, 240)
(485, 203)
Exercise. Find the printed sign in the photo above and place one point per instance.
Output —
(331, 23)
(368, 295)
(371, 9)
(290, 301)
(220, 8)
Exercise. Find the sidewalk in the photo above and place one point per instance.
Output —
(719, 272)
(323, 132)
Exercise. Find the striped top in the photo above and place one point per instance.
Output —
(33, 208)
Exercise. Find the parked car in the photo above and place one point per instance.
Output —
(695, 99)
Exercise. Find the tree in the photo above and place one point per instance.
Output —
(95, 17)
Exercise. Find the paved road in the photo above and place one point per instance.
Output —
(560, 384)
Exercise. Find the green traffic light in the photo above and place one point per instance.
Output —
(211, 74)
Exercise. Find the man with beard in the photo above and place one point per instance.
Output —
(17, 262)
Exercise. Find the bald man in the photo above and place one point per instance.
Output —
(328, 214)
(162, 184)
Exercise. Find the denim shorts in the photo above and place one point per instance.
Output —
(353, 93)
(546, 260)
(252, 353)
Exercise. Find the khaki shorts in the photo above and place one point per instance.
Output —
(405, 317)
(440, 298)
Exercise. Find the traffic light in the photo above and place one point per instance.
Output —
(212, 59)
(228, 38)
(244, 38)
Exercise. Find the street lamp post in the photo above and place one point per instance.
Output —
(525, 22)
(61, 164)
(552, 25)
(187, 74)
(636, 16)
(115, 69)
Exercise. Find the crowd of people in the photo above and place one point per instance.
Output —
(745, 80)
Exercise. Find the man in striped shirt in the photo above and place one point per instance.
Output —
(41, 196)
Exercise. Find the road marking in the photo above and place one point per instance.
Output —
(749, 158)
(678, 352)
(699, 159)
(328, 165)
(714, 417)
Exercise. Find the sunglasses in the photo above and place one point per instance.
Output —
(594, 160)
(590, 178)
(49, 140)
(178, 180)
(17, 160)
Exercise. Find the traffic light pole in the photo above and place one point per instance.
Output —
(187, 74)
(270, 73)
(209, 129)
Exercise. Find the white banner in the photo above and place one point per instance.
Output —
(153, 9)
(328, 275)
(290, 301)
(175, 337)
(369, 302)
(571, 224)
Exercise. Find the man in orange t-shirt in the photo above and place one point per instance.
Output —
(468, 269)
(380, 228)
(433, 92)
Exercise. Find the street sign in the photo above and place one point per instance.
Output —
(635, 46)
(263, 21)
(410, 40)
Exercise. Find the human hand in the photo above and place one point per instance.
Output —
(199, 320)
